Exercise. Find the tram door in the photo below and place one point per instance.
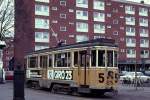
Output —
(83, 72)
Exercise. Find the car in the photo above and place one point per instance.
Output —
(130, 76)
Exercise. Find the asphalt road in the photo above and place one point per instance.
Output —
(125, 93)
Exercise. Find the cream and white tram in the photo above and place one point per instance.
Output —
(85, 67)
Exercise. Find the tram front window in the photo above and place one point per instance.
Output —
(101, 58)
(33, 62)
(50, 60)
(93, 58)
(116, 59)
(110, 58)
(43, 61)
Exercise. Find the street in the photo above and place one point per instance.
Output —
(125, 93)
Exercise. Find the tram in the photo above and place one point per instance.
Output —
(85, 67)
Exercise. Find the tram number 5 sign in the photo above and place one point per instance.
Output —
(101, 77)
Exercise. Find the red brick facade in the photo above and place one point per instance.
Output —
(115, 26)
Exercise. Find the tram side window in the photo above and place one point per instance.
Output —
(69, 59)
(116, 59)
(110, 58)
(101, 58)
(61, 60)
(93, 58)
(50, 60)
(76, 58)
(82, 58)
(43, 61)
(33, 62)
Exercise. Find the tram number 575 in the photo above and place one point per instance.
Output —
(101, 77)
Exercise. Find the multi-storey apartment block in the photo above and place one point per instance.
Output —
(43, 23)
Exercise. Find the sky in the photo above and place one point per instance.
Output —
(146, 1)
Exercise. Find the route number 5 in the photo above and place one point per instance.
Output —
(101, 77)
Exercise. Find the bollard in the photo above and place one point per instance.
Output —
(19, 78)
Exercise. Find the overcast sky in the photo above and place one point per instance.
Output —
(146, 1)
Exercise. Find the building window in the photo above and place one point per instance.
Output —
(115, 33)
(82, 3)
(144, 54)
(129, 9)
(115, 21)
(99, 5)
(81, 14)
(81, 27)
(130, 20)
(130, 31)
(71, 10)
(130, 42)
(144, 43)
(62, 28)
(81, 38)
(54, 8)
(46, 1)
(108, 15)
(39, 47)
(41, 37)
(63, 3)
(41, 10)
(99, 28)
(143, 11)
(63, 16)
(99, 17)
(131, 53)
(143, 32)
(143, 22)
(41, 23)
(115, 10)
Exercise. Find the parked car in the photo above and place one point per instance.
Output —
(130, 76)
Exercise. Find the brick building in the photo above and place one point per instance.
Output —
(43, 23)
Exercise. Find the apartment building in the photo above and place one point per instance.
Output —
(43, 23)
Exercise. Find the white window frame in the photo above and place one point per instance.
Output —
(144, 43)
(143, 22)
(99, 28)
(98, 16)
(145, 55)
(45, 1)
(80, 15)
(63, 16)
(42, 11)
(81, 38)
(63, 28)
(98, 5)
(39, 47)
(130, 20)
(62, 2)
(41, 23)
(41, 37)
(143, 11)
(81, 27)
(144, 32)
(129, 9)
(130, 31)
(131, 54)
(130, 42)
(82, 3)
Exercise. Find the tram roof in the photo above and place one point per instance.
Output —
(95, 42)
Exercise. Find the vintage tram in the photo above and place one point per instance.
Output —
(85, 67)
